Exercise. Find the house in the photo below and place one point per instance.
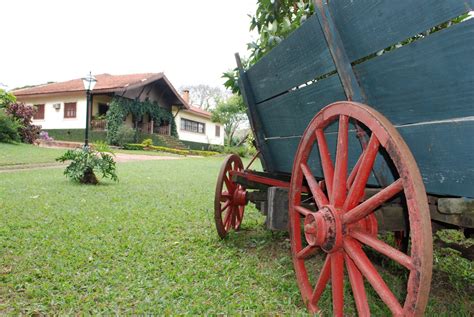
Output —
(63, 105)
(195, 127)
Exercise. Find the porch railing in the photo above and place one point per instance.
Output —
(163, 130)
(98, 125)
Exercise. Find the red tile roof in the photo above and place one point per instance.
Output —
(105, 82)
(199, 111)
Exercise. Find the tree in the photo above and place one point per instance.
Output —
(204, 96)
(231, 113)
(274, 20)
(6, 98)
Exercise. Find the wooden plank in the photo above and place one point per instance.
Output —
(301, 57)
(289, 114)
(366, 27)
(444, 153)
(431, 79)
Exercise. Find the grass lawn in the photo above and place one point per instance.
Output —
(18, 154)
(148, 245)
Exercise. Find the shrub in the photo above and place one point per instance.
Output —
(84, 162)
(125, 135)
(239, 150)
(8, 129)
(102, 147)
(203, 153)
(24, 114)
(147, 142)
(133, 147)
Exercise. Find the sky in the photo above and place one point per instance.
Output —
(192, 42)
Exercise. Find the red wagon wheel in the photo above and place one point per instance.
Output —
(344, 222)
(230, 198)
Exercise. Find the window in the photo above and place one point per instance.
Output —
(39, 115)
(193, 126)
(69, 110)
(218, 131)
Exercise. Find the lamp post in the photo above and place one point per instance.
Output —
(89, 83)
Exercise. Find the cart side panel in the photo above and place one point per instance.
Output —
(366, 27)
(301, 57)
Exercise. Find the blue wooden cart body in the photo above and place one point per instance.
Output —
(425, 88)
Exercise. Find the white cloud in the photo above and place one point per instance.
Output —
(192, 41)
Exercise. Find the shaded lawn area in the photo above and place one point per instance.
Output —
(19, 154)
(146, 245)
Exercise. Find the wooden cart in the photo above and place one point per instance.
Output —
(338, 172)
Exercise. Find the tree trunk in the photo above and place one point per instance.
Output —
(89, 177)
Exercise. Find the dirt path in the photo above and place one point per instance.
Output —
(119, 158)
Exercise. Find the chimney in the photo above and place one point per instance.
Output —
(186, 95)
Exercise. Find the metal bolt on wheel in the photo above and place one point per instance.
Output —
(343, 220)
(230, 198)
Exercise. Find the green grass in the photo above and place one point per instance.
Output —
(17, 154)
(148, 245)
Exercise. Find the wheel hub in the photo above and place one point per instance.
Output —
(239, 196)
(324, 229)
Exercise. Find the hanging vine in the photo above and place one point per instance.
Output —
(120, 107)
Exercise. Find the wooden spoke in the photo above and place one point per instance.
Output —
(367, 269)
(356, 191)
(384, 249)
(225, 206)
(228, 183)
(337, 283)
(318, 194)
(302, 210)
(307, 252)
(372, 203)
(326, 162)
(225, 196)
(340, 170)
(354, 171)
(358, 289)
(323, 279)
(228, 219)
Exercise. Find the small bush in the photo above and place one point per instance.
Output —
(125, 135)
(147, 142)
(8, 129)
(84, 162)
(133, 147)
(239, 150)
(102, 147)
(216, 148)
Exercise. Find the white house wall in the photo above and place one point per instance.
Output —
(54, 119)
(209, 137)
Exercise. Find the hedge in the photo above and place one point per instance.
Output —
(203, 146)
(168, 150)
(75, 135)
